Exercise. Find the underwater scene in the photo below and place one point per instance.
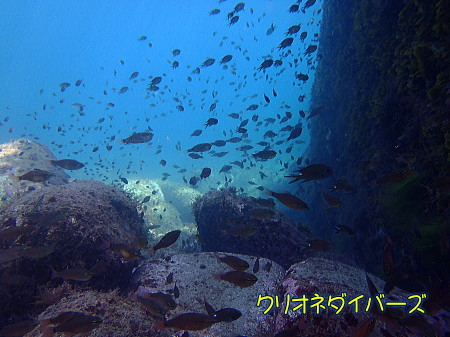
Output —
(266, 168)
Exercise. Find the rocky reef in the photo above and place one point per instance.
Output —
(383, 82)
(71, 226)
(236, 223)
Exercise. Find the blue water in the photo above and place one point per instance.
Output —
(46, 43)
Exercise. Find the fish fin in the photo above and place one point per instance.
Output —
(218, 276)
(296, 178)
(54, 274)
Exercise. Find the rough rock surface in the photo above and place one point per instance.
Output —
(194, 274)
(324, 277)
(77, 222)
(22, 156)
(223, 225)
(121, 316)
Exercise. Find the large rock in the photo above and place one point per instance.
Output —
(73, 225)
(194, 275)
(324, 278)
(121, 316)
(20, 157)
(225, 224)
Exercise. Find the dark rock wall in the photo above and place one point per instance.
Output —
(383, 78)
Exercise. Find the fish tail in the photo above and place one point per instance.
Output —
(46, 329)
(160, 324)
(54, 274)
(13, 178)
(268, 192)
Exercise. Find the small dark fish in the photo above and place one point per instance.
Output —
(285, 43)
(256, 266)
(225, 168)
(261, 213)
(194, 155)
(176, 52)
(318, 244)
(146, 199)
(142, 38)
(233, 20)
(296, 132)
(155, 80)
(194, 180)
(294, 8)
(316, 111)
(289, 200)
(345, 230)
(312, 172)
(163, 162)
(219, 143)
(18, 329)
(203, 147)
(169, 278)
(239, 278)
(68, 164)
(138, 138)
(76, 274)
(271, 29)
(395, 177)
(265, 155)
(153, 306)
(274, 93)
(78, 83)
(239, 7)
(365, 328)
(64, 86)
(266, 64)
(311, 49)
(124, 180)
(308, 4)
(189, 321)
(208, 62)
(293, 30)
(303, 36)
(226, 58)
(214, 11)
(95, 149)
(196, 133)
(331, 200)
(268, 266)
(227, 315)
(266, 98)
(36, 176)
(234, 262)
(176, 291)
(167, 240)
(291, 332)
(71, 322)
(205, 173)
(253, 107)
(134, 75)
(302, 77)
(210, 122)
